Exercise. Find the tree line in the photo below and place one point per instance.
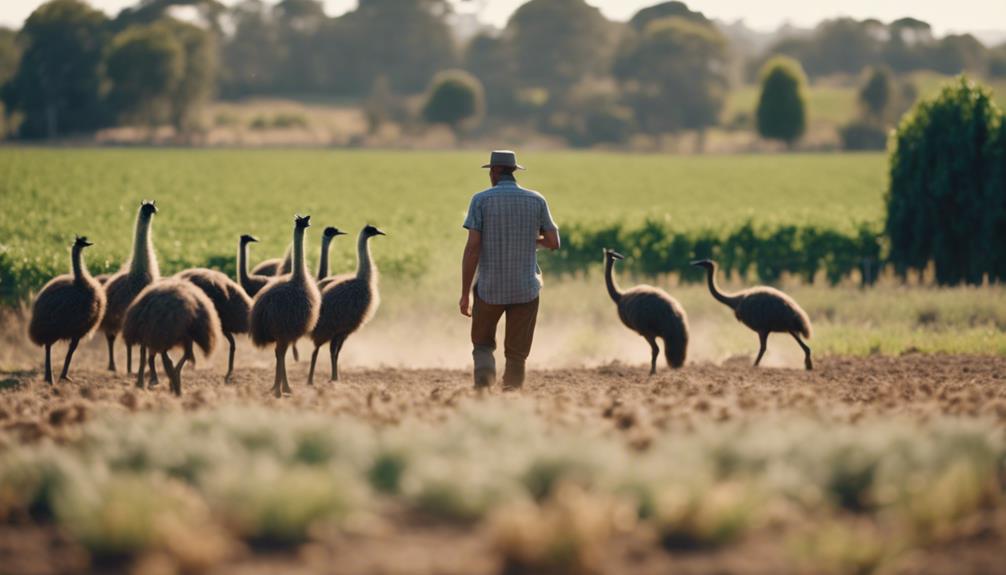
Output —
(558, 66)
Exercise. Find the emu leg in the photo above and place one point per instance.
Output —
(178, 373)
(153, 370)
(286, 381)
(277, 387)
(654, 353)
(69, 356)
(110, 338)
(296, 354)
(173, 375)
(807, 361)
(129, 359)
(48, 363)
(143, 364)
(334, 348)
(314, 359)
(763, 340)
(230, 357)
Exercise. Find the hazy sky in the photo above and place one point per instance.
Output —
(944, 15)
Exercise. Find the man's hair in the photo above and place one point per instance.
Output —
(507, 170)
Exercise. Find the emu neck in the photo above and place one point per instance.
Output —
(143, 261)
(299, 267)
(323, 258)
(721, 297)
(609, 280)
(243, 263)
(79, 271)
(364, 264)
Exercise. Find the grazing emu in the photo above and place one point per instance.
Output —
(167, 314)
(286, 309)
(68, 307)
(347, 302)
(651, 313)
(123, 287)
(230, 301)
(250, 282)
(765, 310)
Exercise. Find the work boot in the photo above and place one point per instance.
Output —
(513, 376)
(484, 378)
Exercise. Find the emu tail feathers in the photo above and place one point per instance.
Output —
(675, 335)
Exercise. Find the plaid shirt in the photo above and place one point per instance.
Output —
(510, 219)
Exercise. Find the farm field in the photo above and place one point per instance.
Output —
(887, 458)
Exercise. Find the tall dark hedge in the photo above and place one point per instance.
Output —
(946, 202)
(782, 109)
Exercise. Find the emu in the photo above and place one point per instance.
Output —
(251, 283)
(651, 313)
(167, 314)
(327, 236)
(765, 310)
(273, 267)
(123, 287)
(281, 266)
(230, 301)
(347, 302)
(286, 309)
(68, 307)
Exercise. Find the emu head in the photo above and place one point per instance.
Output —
(148, 209)
(612, 255)
(370, 231)
(302, 221)
(331, 232)
(708, 264)
(81, 242)
(247, 239)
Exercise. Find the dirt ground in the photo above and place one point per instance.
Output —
(621, 399)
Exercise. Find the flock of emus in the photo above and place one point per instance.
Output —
(278, 303)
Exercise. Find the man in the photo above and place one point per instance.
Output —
(506, 225)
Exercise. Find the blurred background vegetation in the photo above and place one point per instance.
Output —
(558, 74)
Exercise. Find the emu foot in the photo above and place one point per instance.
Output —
(808, 363)
(65, 378)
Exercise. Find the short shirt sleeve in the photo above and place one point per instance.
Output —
(545, 221)
(473, 221)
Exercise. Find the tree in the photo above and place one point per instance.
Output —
(782, 111)
(674, 75)
(455, 98)
(145, 65)
(946, 201)
(490, 60)
(955, 54)
(57, 86)
(10, 53)
(877, 93)
(673, 9)
(252, 53)
(557, 43)
(199, 76)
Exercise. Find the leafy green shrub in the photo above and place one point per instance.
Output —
(455, 97)
(946, 202)
(782, 109)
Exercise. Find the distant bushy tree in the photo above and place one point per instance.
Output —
(674, 75)
(877, 93)
(455, 98)
(57, 86)
(946, 202)
(782, 111)
(144, 66)
(673, 9)
(197, 85)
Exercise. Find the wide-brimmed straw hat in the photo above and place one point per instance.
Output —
(504, 158)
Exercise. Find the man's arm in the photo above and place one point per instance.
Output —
(469, 263)
(549, 239)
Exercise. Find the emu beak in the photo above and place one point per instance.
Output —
(379, 232)
(339, 232)
(252, 239)
(696, 263)
(617, 255)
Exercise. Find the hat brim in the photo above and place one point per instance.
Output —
(515, 166)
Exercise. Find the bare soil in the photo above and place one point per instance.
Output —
(621, 399)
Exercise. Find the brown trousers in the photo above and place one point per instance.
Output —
(520, 322)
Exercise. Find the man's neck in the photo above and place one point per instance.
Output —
(505, 178)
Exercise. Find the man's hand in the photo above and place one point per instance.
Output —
(465, 305)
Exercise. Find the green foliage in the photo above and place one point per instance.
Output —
(455, 98)
(57, 86)
(946, 201)
(654, 248)
(145, 66)
(674, 75)
(877, 93)
(781, 111)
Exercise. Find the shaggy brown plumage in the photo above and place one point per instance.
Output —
(652, 313)
(765, 310)
(68, 307)
(286, 309)
(347, 302)
(167, 314)
(251, 283)
(123, 287)
(230, 301)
